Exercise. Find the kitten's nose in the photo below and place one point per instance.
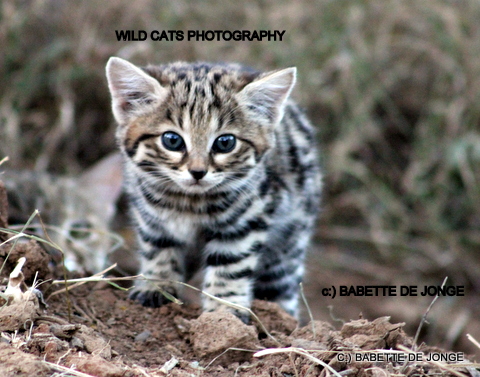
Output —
(198, 174)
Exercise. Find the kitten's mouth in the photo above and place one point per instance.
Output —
(196, 186)
(199, 183)
(191, 185)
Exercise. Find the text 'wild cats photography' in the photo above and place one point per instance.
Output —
(239, 188)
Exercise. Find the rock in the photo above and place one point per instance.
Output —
(95, 366)
(14, 362)
(182, 325)
(213, 333)
(379, 333)
(94, 343)
(143, 336)
(77, 343)
(64, 331)
(19, 313)
(169, 365)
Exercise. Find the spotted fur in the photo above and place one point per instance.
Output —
(244, 216)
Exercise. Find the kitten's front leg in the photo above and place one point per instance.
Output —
(231, 260)
(161, 258)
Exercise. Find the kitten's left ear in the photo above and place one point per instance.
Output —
(133, 90)
(266, 96)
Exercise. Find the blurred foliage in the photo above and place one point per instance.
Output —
(393, 86)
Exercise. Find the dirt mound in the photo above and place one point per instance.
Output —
(109, 335)
(94, 330)
(112, 336)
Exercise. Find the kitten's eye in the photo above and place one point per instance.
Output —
(224, 144)
(173, 141)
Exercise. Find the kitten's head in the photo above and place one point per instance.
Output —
(196, 127)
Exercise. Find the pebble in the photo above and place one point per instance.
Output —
(169, 365)
(143, 336)
(77, 343)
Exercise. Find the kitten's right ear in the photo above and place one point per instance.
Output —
(266, 95)
(132, 89)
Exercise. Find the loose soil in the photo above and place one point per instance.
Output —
(95, 330)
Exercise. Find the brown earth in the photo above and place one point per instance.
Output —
(94, 330)
(109, 335)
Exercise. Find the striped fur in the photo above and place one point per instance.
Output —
(245, 215)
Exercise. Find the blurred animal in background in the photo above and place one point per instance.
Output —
(76, 211)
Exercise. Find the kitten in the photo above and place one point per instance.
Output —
(77, 210)
(221, 173)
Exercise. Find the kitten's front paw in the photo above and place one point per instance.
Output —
(151, 296)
